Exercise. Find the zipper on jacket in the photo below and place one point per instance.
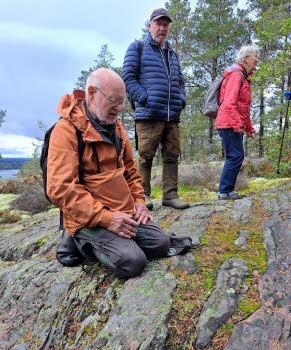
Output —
(169, 75)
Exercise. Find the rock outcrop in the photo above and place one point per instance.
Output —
(223, 301)
(270, 326)
(46, 306)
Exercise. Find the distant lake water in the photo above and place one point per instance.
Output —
(8, 174)
(9, 167)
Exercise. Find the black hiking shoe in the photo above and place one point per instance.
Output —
(68, 253)
(231, 195)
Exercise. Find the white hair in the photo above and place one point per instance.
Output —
(92, 80)
(246, 51)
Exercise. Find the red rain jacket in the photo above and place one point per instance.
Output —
(235, 99)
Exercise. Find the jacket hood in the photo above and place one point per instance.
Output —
(71, 107)
(233, 67)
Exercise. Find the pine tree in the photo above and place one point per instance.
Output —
(2, 116)
(273, 35)
(104, 59)
(218, 31)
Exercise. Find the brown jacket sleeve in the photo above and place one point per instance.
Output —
(63, 185)
(131, 175)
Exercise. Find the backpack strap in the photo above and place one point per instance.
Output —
(81, 149)
(242, 77)
(95, 156)
(140, 45)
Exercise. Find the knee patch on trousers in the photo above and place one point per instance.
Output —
(145, 163)
(131, 264)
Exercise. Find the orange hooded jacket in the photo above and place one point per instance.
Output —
(116, 187)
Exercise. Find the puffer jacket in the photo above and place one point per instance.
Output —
(235, 99)
(157, 94)
(117, 184)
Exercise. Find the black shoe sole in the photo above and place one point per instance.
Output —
(150, 207)
(169, 205)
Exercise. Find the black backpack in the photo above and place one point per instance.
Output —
(139, 50)
(44, 156)
(211, 101)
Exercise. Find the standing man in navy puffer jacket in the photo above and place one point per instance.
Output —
(154, 82)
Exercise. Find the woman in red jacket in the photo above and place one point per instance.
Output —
(233, 118)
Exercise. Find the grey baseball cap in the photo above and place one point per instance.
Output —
(158, 13)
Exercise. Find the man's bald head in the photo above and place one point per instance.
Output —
(102, 78)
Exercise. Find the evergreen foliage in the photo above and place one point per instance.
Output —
(2, 116)
(206, 39)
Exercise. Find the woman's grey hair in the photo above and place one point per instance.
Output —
(92, 80)
(246, 51)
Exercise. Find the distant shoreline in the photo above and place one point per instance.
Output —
(12, 163)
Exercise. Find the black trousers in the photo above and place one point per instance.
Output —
(126, 257)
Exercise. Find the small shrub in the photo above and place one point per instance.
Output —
(242, 181)
(6, 217)
(258, 167)
(201, 174)
(284, 170)
(32, 179)
(32, 200)
(30, 168)
(196, 174)
(205, 175)
(12, 186)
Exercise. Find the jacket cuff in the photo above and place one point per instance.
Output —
(106, 218)
(143, 99)
(140, 201)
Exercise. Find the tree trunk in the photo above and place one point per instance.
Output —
(246, 147)
(210, 137)
(210, 131)
(261, 131)
(289, 89)
(262, 111)
(281, 116)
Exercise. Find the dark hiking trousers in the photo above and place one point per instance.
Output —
(150, 134)
(125, 257)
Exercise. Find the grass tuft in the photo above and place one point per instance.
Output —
(8, 217)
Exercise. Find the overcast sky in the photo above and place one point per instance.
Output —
(44, 47)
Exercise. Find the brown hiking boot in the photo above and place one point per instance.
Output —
(175, 203)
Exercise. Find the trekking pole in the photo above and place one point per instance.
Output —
(288, 97)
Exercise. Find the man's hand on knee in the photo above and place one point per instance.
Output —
(123, 225)
(141, 214)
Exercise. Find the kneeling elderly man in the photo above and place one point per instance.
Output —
(104, 213)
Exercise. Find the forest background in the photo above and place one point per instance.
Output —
(206, 40)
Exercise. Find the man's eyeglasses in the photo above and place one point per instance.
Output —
(114, 100)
